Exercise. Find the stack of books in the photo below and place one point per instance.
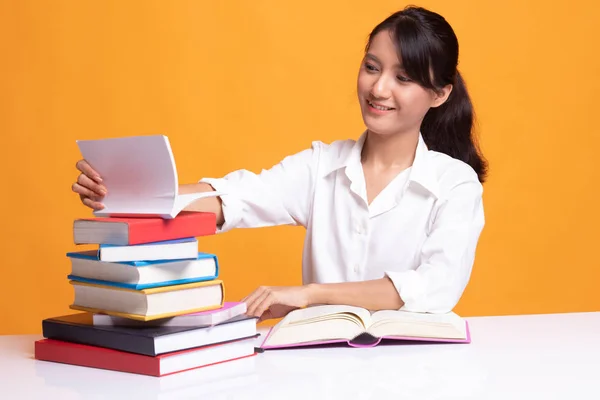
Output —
(149, 301)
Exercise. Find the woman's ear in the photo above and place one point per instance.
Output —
(440, 97)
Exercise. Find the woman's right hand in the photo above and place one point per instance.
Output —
(89, 186)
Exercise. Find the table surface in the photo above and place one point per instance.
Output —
(551, 356)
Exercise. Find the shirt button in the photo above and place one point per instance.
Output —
(356, 268)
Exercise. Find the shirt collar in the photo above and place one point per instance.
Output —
(421, 173)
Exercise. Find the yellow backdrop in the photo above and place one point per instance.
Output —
(241, 84)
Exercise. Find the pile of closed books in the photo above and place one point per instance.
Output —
(149, 302)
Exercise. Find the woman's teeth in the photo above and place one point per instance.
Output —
(378, 107)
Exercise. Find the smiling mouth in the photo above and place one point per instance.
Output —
(379, 107)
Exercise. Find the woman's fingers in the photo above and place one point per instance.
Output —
(252, 296)
(91, 203)
(85, 181)
(85, 168)
(254, 301)
(85, 192)
(264, 304)
(89, 186)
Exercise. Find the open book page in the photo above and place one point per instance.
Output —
(310, 314)
(133, 207)
(140, 175)
(134, 168)
(421, 325)
(319, 323)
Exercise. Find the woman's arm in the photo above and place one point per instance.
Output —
(276, 301)
(435, 286)
(207, 204)
(448, 253)
(280, 195)
(376, 294)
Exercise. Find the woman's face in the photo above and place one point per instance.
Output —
(390, 102)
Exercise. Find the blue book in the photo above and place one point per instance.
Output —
(87, 267)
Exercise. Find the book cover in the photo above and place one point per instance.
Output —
(182, 268)
(79, 328)
(366, 340)
(176, 249)
(136, 230)
(141, 286)
(360, 327)
(162, 365)
(93, 255)
(151, 291)
(203, 318)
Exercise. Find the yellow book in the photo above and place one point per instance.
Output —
(148, 304)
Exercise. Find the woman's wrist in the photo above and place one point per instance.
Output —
(315, 294)
(375, 294)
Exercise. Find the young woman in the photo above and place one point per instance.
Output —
(393, 218)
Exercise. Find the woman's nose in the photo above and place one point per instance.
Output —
(382, 87)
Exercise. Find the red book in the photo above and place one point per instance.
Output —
(138, 230)
(162, 365)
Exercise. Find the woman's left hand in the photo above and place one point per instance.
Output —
(276, 301)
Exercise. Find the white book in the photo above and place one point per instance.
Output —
(177, 249)
(140, 175)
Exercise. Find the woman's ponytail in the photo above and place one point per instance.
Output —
(448, 129)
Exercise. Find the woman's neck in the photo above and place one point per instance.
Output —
(386, 152)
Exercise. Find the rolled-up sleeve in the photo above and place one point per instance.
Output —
(448, 253)
(281, 195)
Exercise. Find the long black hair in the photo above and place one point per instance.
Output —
(428, 49)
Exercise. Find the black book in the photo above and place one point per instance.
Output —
(151, 340)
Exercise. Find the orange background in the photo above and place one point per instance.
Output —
(241, 84)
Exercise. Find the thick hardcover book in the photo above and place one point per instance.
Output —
(148, 304)
(166, 364)
(176, 249)
(131, 231)
(357, 327)
(86, 267)
(151, 341)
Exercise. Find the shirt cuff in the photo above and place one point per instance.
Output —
(230, 203)
(411, 288)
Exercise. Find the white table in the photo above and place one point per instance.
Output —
(554, 356)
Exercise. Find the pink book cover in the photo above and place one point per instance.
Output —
(357, 342)
(226, 306)
(208, 317)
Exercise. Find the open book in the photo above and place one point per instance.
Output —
(360, 328)
(140, 175)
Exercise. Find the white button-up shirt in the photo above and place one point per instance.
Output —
(421, 230)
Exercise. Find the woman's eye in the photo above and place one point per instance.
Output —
(403, 78)
(370, 67)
